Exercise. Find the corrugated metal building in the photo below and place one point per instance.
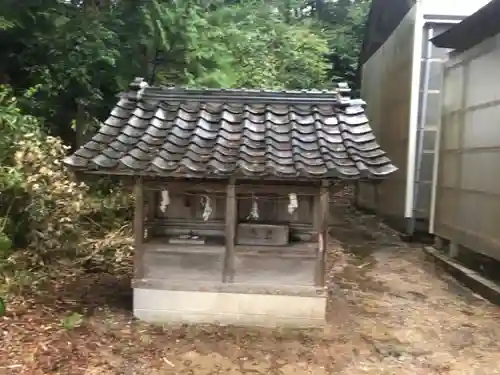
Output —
(466, 204)
(401, 81)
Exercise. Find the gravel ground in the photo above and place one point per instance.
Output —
(390, 312)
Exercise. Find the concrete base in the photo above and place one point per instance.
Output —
(199, 307)
(476, 282)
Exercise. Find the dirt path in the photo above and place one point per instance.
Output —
(390, 312)
(414, 318)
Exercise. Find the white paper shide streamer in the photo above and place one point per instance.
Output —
(254, 212)
(165, 201)
(293, 203)
(207, 207)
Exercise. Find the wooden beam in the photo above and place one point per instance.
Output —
(139, 229)
(216, 228)
(241, 188)
(231, 221)
(322, 229)
(284, 189)
(181, 177)
(244, 187)
(218, 287)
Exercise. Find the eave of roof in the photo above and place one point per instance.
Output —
(483, 24)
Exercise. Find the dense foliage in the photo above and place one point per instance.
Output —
(85, 51)
(43, 209)
(65, 60)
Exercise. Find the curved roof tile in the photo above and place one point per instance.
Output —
(247, 133)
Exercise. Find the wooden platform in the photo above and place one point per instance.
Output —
(258, 268)
(215, 246)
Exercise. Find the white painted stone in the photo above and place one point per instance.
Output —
(167, 306)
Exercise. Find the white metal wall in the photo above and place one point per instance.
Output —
(447, 8)
(386, 86)
(404, 109)
(467, 191)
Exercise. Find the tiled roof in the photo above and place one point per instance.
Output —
(216, 133)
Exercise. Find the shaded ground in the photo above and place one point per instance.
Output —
(390, 312)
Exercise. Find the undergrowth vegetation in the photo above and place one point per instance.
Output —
(46, 215)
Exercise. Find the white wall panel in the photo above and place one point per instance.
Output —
(467, 205)
(386, 87)
(447, 8)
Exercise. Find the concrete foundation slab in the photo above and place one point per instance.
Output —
(476, 282)
(203, 307)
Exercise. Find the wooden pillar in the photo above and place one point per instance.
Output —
(139, 229)
(315, 213)
(151, 204)
(231, 221)
(322, 230)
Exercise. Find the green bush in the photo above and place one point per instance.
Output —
(5, 245)
(43, 210)
(14, 125)
(36, 192)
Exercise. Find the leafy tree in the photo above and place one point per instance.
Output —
(341, 23)
(270, 53)
(84, 52)
(344, 31)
